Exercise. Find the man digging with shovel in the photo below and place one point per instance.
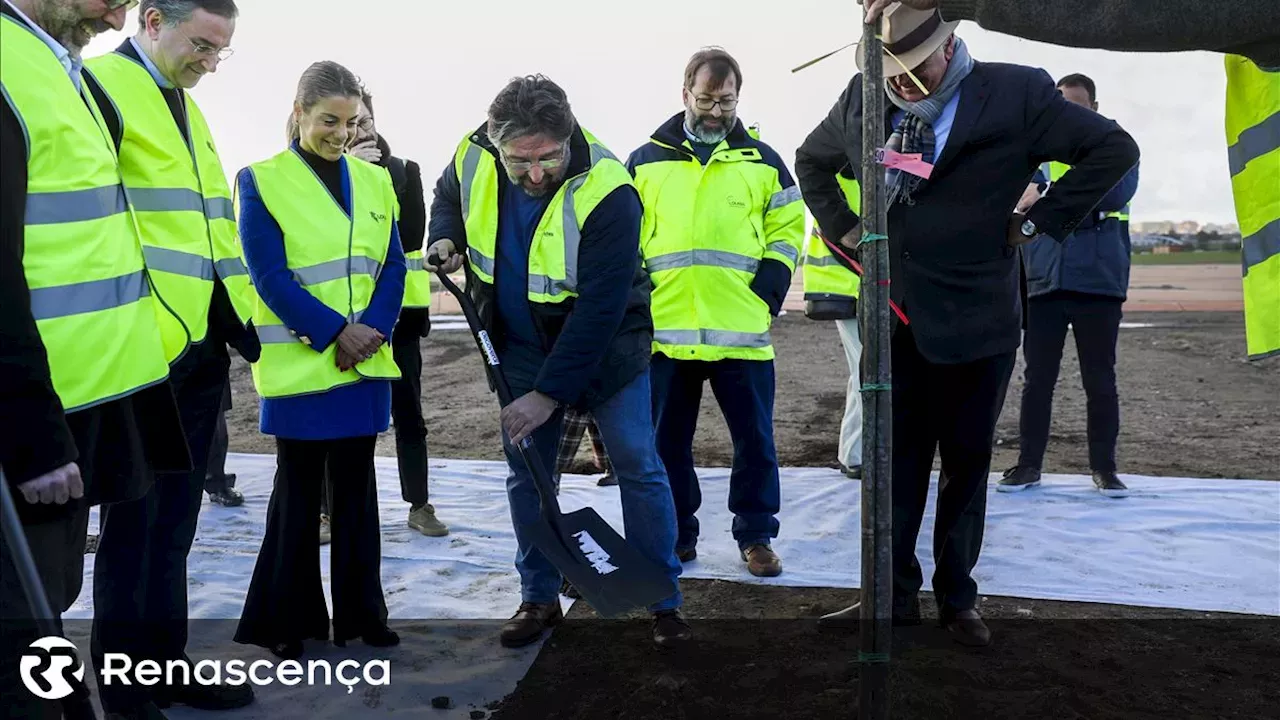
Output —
(548, 222)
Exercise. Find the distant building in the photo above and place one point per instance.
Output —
(1154, 227)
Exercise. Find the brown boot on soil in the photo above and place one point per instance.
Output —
(762, 561)
(529, 622)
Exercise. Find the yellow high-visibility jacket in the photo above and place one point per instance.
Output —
(707, 231)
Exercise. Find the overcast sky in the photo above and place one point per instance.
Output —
(435, 66)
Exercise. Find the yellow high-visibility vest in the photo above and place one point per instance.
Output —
(553, 255)
(1253, 140)
(179, 193)
(90, 295)
(831, 289)
(335, 257)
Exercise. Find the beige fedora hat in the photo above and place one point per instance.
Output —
(911, 36)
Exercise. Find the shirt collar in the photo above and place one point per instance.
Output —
(72, 64)
(156, 75)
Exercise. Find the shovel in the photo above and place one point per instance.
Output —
(587, 551)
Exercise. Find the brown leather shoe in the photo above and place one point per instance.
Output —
(967, 628)
(529, 622)
(762, 561)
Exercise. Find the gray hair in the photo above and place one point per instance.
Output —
(176, 12)
(530, 105)
(323, 79)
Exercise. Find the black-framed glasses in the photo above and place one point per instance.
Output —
(525, 166)
(207, 50)
(706, 103)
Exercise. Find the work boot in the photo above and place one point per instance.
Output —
(1018, 478)
(204, 697)
(967, 628)
(687, 555)
(227, 497)
(1109, 485)
(670, 629)
(325, 535)
(529, 622)
(423, 519)
(762, 561)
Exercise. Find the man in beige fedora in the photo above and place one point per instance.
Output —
(980, 131)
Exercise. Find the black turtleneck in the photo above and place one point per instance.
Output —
(329, 172)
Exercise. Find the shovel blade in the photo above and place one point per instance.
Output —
(611, 575)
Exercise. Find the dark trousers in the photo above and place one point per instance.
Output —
(216, 478)
(1095, 322)
(410, 426)
(57, 546)
(406, 413)
(286, 599)
(140, 567)
(951, 410)
(744, 389)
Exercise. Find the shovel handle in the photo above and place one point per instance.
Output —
(541, 480)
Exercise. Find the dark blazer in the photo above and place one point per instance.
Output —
(952, 271)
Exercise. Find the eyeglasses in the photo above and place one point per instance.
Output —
(207, 50)
(117, 4)
(525, 166)
(705, 103)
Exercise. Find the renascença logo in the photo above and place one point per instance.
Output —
(49, 666)
(119, 669)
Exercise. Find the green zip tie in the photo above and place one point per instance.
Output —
(876, 387)
(872, 237)
(873, 658)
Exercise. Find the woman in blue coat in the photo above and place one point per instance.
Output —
(320, 240)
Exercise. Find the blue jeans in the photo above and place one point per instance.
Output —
(648, 514)
(744, 389)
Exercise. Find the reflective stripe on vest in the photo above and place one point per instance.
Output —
(417, 284)
(83, 263)
(335, 257)
(183, 205)
(553, 254)
(1253, 142)
(824, 277)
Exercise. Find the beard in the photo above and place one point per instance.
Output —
(72, 31)
(709, 135)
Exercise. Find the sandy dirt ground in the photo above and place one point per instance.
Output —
(1190, 404)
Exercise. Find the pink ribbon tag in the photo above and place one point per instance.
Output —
(906, 162)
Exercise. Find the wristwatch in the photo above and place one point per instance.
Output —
(1028, 229)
